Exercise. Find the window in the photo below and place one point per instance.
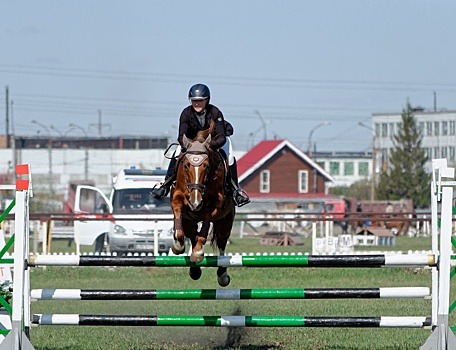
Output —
(421, 128)
(91, 201)
(303, 181)
(444, 128)
(363, 168)
(452, 127)
(436, 153)
(264, 181)
(391, 129)
(451, 152)
(429, 128)
(444, 152)
(384, 129)
(349, 168)
(334, 168)
(377, 130)
(436, 128)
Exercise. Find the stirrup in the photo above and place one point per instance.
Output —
(160, 192)
(240, 198)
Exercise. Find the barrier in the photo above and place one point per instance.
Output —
(17, 338)
(441, 337)
(380, 260)
(230, 321)
(231, 294)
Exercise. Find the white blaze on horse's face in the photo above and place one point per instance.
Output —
(196, 168)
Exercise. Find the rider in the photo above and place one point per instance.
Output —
(195, 118)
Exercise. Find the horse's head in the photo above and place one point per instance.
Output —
(196, 169)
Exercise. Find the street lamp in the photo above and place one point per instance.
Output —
(56, 130)
(86, 150)
(309, 146)
(374, 160)
(72, 125)
(49, 147)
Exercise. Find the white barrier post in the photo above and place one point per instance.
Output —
(17, 339)
(442, 337)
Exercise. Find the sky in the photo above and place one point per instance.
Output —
(306, 71)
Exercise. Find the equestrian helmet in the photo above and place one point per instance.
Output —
(199, 92)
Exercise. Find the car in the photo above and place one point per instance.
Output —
(131, 219)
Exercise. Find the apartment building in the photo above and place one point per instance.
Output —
(438, 128)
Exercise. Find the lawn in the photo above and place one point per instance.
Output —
(179, 338)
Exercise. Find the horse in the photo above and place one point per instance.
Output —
(401, 227)
(199, 195)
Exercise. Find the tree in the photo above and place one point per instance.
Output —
(360, 190)
(406, 177)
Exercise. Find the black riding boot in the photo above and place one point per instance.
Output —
(239, 195)
(162, 191)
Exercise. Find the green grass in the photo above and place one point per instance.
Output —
(142, 338)
(74, 337)
(252, 244)
(180, 338)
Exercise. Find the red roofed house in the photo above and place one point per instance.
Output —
(277, 170)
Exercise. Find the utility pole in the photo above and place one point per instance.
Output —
(100, 125)
(374, 160)
(7, 115)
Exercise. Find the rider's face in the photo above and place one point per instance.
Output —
(199, 105)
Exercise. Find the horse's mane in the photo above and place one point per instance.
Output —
(202, 135)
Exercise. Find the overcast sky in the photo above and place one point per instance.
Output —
(275, 68)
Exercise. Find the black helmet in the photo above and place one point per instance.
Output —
(199, 92)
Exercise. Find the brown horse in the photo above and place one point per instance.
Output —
(199, 195)
(401, 226)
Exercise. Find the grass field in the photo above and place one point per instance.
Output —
(142, 338)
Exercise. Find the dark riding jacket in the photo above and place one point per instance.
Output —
(189, 125)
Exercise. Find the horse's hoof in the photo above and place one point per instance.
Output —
(178, 248)
(224, 280)
(195, 273)
(196, 258)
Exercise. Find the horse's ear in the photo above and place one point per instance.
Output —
(207, 142)
(186, 141)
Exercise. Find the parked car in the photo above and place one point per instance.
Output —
(130, 219)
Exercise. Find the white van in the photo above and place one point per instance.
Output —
(133, 218)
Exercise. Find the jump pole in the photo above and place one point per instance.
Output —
(230, 321)
(231, 294)
(379, 260)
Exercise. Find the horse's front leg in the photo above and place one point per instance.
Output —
(199, 242)
(178, 246)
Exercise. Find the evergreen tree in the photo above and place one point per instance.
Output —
(406, 177)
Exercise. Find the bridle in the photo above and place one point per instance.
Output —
(196, 158)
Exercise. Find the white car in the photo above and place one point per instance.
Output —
(130, 219)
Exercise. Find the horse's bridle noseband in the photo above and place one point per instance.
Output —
(196, 158)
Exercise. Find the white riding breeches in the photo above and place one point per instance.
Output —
(228, 149)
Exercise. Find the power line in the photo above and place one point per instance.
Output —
(229, 80)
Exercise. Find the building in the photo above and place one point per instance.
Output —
(278, 171)
(438, 129)
(346, 168)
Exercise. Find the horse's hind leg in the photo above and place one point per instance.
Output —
(223, 278)
(195, 272)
